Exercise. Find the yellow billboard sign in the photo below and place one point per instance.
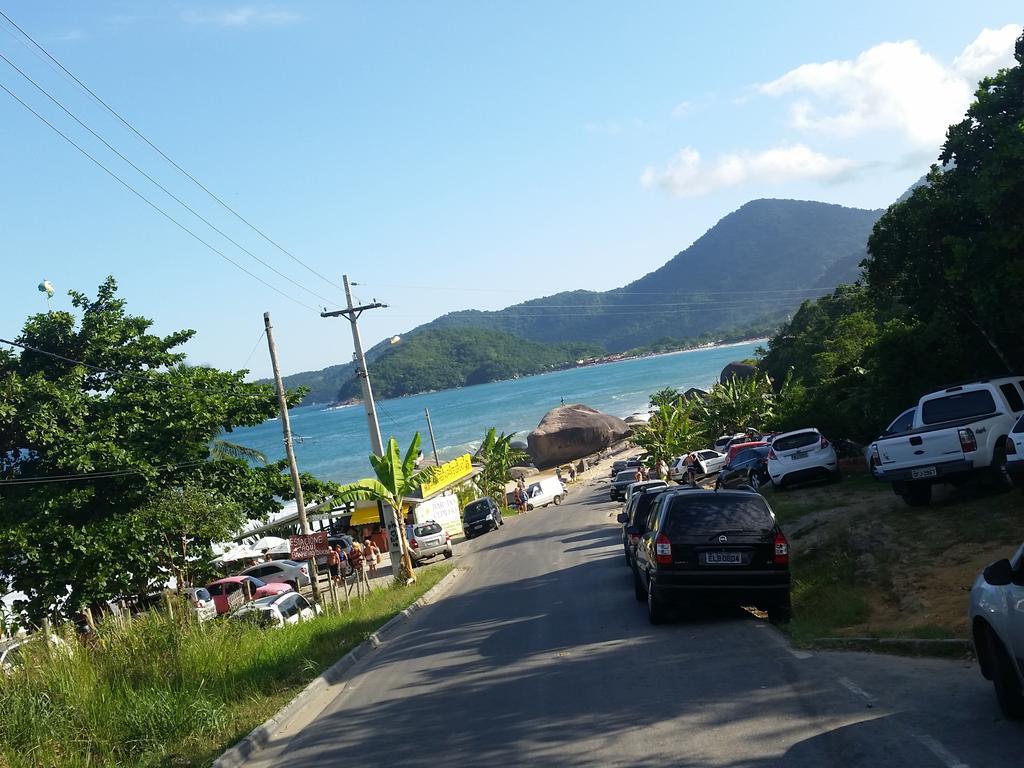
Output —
(448, 473)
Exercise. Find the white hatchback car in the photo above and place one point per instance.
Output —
(202, 603)
(277, 610)
(997, 630)
(802, 455)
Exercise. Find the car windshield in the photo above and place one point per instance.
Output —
(962, 405)
(476, 510)
(792, 442)
(427, 529)
(643, 505)
(202, 594)
(716, 512)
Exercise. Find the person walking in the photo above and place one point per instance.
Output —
(372, 553)
(358, 561)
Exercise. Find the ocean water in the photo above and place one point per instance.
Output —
(334, 443)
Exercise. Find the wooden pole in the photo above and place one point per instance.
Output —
(286, 429)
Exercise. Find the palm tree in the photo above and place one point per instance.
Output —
(498, 457)
(396, 479)
(225, 449)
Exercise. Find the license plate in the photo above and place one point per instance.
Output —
(800, 455)
(723, 558)
(917, 474)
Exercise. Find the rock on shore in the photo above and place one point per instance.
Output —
(571, 431)
(739, 369)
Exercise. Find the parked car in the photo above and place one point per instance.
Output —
(997, 630)
(550, 490)
(635, 487)
(12, 651)
(735, 448)
(723, 442)
(956, 432)
(636, 509)
(1015, 453)
(480, 516)
(277, 610)
(623, 464)
(289, 572)
(749, 469)
(202, 602)
(902, 423)
(708, 463)
(621, 482)
(722, 546)
(428, 540)
(802, 455)
(247, 588)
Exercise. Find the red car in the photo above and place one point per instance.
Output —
(737, 447)
(234, 591)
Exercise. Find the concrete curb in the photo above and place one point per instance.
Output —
(260, 736)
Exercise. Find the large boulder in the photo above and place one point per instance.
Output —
(739, 369)
(571, 431)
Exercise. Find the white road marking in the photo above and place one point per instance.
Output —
(800, 654)
(855, 689)
(947, 757)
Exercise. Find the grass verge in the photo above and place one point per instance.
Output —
(161, 692)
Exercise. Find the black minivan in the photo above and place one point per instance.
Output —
(481, 516)
(713, 546)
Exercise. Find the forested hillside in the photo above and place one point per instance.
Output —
(445, 358)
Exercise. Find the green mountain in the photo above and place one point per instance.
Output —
(751, 269)
(444, 358)
(743, 277)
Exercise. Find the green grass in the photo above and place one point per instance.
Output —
(827, 595)
(160, 692)
(792, 505)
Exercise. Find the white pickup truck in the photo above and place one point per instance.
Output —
(955, 432)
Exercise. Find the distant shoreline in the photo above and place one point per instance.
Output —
(606, 360)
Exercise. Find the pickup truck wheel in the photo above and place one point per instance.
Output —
(917, 494)
(1005, 680)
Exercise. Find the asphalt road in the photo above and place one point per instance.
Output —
(539, 655)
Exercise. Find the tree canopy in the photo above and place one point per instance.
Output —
(105, 453)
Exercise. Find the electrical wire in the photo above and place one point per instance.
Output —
(162, 154)
(615, 291)
(99, 475)
(253, 350)
(153, 205)
(160, 186)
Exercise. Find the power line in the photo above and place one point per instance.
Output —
(192, 178)
(253, 350)
(153, 205)
(156, 183)
(615, 291)
(98, 475)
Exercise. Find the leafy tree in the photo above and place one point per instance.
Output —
(671, 431)
(736, 405)
(666, 396)
(86, 449)
(498, 457)
(396, 478)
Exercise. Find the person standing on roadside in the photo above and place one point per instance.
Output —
(334, 564)
(662, 469)
(691, 469)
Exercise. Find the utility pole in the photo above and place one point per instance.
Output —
(433, 444)
(286, 428)
(392, 518)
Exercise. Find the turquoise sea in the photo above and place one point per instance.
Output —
(334, 443)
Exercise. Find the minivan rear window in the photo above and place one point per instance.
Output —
(714, 513)
(427, 529)
(792, 442)
(962, 405)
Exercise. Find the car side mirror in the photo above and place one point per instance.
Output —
(622, 517)
(999, 573)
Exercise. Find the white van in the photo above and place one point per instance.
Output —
(543, 492)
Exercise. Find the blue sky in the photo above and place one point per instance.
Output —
(449, 155)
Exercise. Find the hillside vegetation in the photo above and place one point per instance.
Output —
(445, 358)
(942, 282)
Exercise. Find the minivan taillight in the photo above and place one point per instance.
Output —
(1011, 447)
(967, 440)
(663, 550)
(781, 553)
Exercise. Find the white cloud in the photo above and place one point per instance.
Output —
(689, 175)
(894, 86)
(242, 16)
(991, 51)
(682, 109)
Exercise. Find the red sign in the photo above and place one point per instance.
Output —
(308, 547)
